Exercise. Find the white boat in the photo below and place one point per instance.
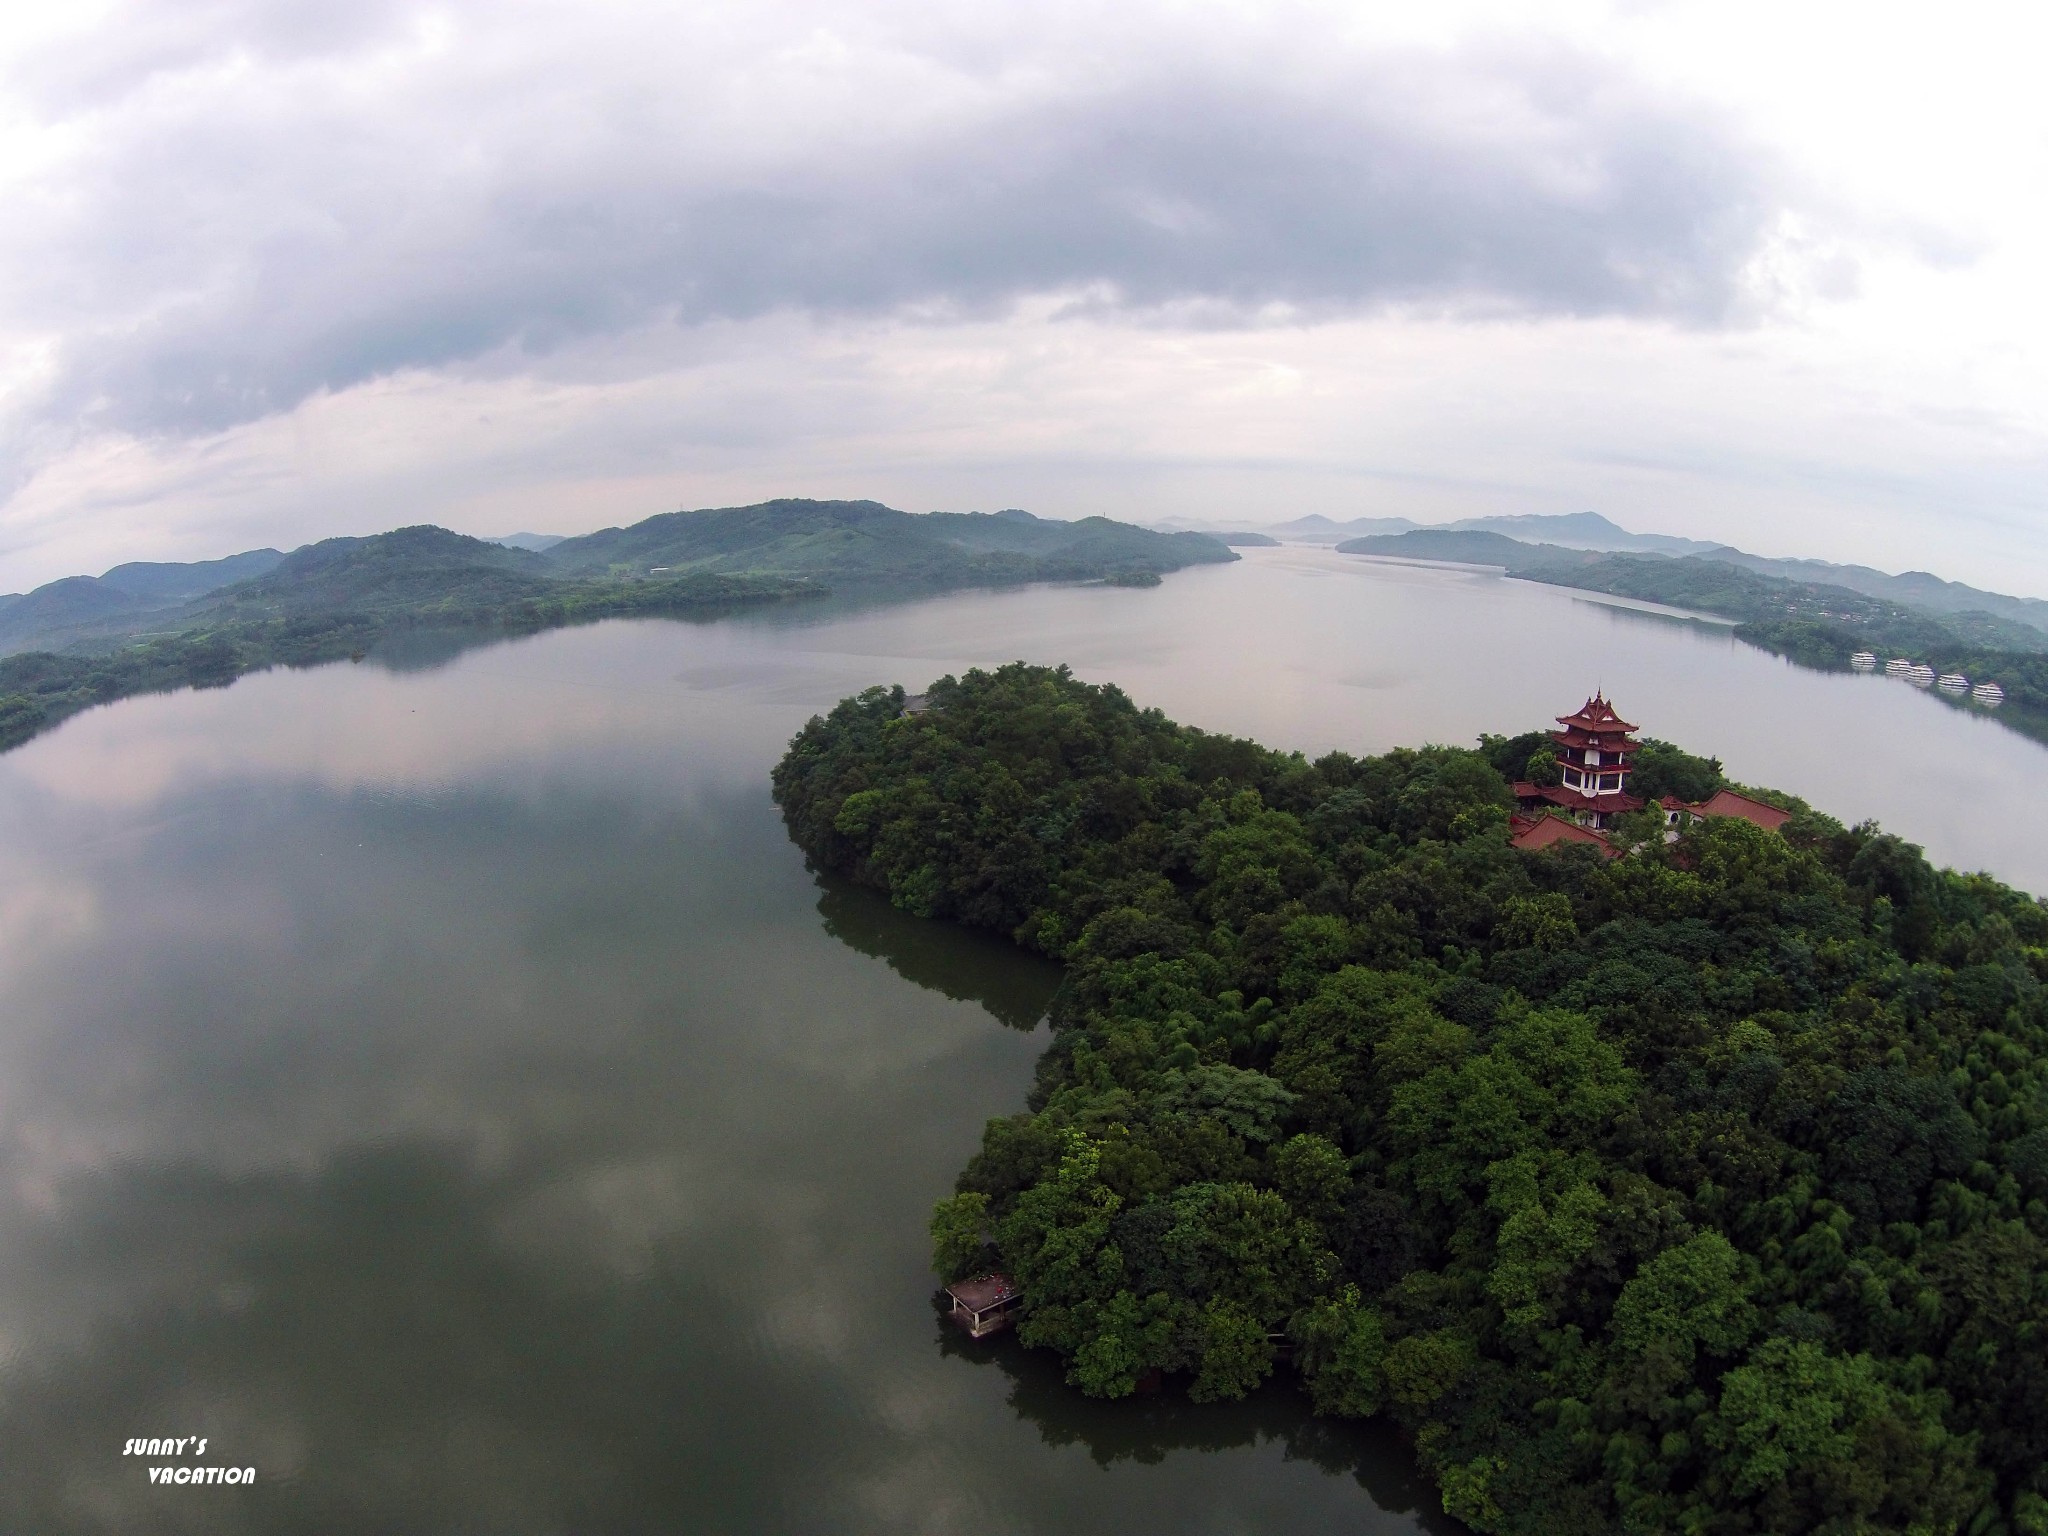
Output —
(1953, 682)
(1898, 666)
(1921, 676)
(1988, 693)
(1863, 661)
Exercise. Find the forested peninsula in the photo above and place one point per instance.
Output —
(1703, 1189)
(1816, 623)
(145, 628)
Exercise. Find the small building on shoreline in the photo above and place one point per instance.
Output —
(986, 1304)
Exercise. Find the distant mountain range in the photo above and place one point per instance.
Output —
(1816, 623)
(1590, 531)
(85, 607)
(1571, 530)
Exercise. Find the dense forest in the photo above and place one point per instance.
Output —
(1703, 1189)
(339, 599)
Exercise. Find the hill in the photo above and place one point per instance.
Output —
(1814, 623)
(866, 542)
(1918, 588)
(126, 633)
(1582, 530)
(1703, 1189)
(413, 570)
(168, 582)
(125, 600)
(329, 601)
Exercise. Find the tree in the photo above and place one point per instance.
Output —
(959, 1235)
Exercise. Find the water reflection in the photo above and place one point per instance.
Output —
(445, 1087)
(1015, 986)
(539, 1151)
(1148, 1428)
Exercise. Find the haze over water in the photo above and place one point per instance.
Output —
(441, 1084)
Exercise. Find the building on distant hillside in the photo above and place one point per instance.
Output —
(1726, 802)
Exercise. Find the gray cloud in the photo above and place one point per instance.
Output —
(253, 219)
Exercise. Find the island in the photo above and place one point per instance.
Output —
(1689, 1176)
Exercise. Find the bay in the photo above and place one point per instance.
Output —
(439, 1083)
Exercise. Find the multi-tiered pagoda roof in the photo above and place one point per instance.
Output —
(1593, 752)
(1595, 724)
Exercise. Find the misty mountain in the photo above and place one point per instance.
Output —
(162, 581)
(126, 599)
(1567, 530)
(1583, 530)
(1317, 529)
(1916, 587)
(532, 541)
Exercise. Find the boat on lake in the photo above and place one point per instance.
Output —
(1953, 682)
(1988, 693)
(1921, 676)
(1863, 661)
(1898, 666)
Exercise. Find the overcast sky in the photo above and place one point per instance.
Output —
(272, 270)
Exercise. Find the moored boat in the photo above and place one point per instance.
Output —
(1988, 693)
(1953, 682)
(1863, 661)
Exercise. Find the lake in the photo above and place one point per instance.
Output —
(439, 1083)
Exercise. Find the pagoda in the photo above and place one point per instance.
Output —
(1593, 752)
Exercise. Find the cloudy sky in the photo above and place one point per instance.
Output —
(277, 269)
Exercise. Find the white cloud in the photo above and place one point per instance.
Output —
(279, 271)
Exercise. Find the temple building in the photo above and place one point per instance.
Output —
(1593, 751)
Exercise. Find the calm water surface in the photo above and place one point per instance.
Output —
(441, 1085)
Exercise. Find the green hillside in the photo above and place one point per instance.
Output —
(1814, 623)
(864, 541)
(338, 599)
(100, 639)
(1699, 1190)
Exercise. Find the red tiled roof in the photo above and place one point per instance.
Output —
(1596, 714)
(1726, 802)
(1552, 830)
(1614, 801)
(1606, 741)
